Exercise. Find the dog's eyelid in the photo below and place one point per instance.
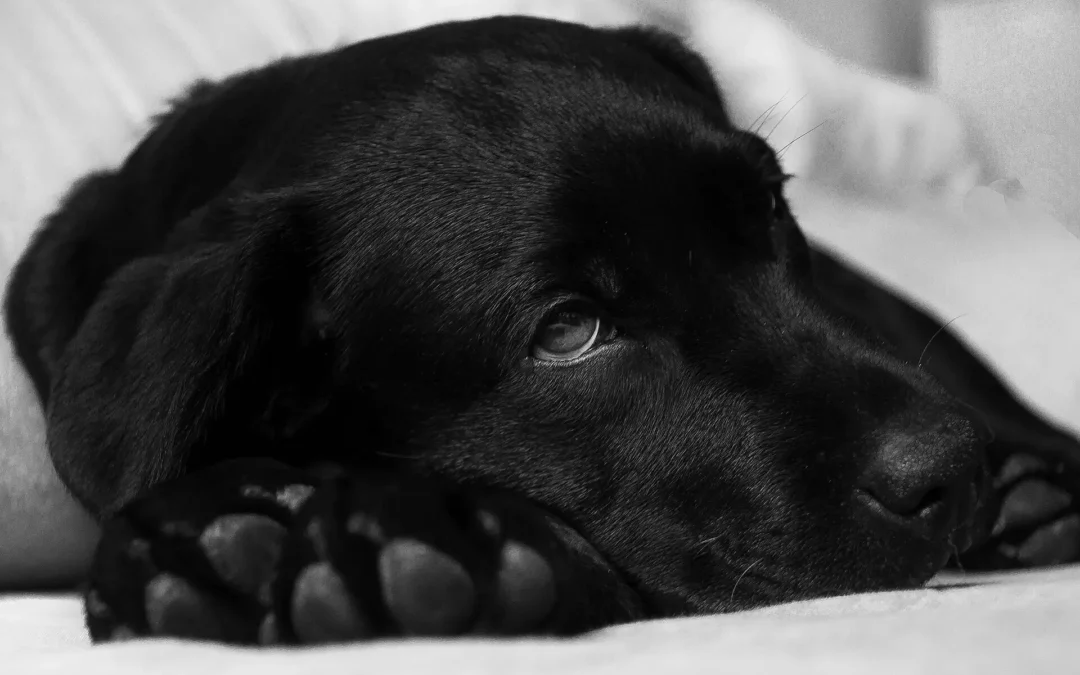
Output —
(570, 301)
(598, 349)
(777, 182)
(562, 313)
(775, 199)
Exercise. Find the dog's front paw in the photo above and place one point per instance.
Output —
(1037, 519)
(374, 558)
(403, 556)
(196, 558)
(261, 554)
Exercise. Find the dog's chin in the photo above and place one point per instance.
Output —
(924, 564)
(915, 553)
(912, 550)
(867, 573)
(892, 558)
(910, 569)
(910, 561)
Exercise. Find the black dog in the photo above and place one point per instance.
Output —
(549, 314)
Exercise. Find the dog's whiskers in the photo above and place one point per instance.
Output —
(918, 365)
(748, 568)
(784, 116)
(761, 119)
(780, 152)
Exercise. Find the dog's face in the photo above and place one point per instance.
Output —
(542, 259)
(539, 257)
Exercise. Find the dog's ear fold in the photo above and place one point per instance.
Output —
(170, 342)
(671, 53)
(163, 293)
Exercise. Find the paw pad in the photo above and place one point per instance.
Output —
(1055, 544)
(362, 525)
(174, 607)
(293, 497)
(427, 591)
(95, 606)
(322, 609)
(243, 549)
(268, 631)
(489, 522)
(1018, 466)
(303, 565)
(122, 634)
(526, 589)
(256, 492)
(1031, 502)
(317, 536)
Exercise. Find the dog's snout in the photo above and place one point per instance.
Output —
(923, 479)
(906, 474)
(981, 426)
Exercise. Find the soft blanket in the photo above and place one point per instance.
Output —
(1011, 624)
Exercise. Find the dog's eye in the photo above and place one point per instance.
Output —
(569, 332)
(773, 203)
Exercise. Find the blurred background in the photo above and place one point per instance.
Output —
(1013, 66)
(1009, 65)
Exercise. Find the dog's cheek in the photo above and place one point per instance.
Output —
(512, 448)
(719, 488)
(612, 450)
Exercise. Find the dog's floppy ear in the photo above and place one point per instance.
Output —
(192, 153)
(170, 342)
(670, 52)
(163, 293)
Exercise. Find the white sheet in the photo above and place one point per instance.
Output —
(1013, 624)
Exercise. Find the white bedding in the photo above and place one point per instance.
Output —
(1027, 624)
(80, 80)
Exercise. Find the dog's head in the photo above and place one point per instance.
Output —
(538, 256)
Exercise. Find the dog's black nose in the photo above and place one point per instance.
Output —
(923, 480)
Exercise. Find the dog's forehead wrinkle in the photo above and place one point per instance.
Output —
(516, 89)
(605, 277)
(481, 285)
(465, 182)
(656, 200)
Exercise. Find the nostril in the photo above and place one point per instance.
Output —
(920, 467)
(934, 495)
(906, 502)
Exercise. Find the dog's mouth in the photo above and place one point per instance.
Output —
(939, 521)
(940, 530)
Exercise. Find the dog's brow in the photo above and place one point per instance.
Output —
(604, 277)
(761, 156)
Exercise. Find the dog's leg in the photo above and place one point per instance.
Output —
(1037, 510)
(253, 551)
(1031, 516)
